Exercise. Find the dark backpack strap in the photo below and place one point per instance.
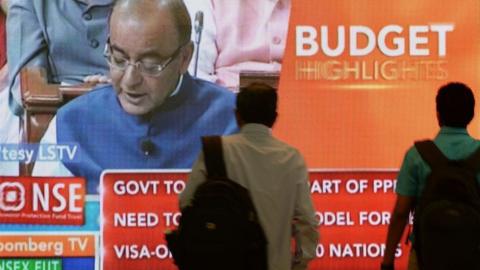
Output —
(473, 161)
(213, 152)
(430, 153)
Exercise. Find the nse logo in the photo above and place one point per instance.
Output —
(12, 196)
(40, 200)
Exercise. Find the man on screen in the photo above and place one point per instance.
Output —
(154, 113)
(455, 109)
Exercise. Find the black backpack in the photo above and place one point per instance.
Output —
(220, 230)
(447, 215)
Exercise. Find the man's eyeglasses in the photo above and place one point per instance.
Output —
(146, 68)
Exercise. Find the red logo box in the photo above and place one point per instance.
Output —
(42, 200)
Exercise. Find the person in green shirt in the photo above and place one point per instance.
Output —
(455, 109)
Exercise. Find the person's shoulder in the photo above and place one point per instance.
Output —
(210, 96)
(210, 88)
(94, 100)
(474, 146)
(286, 146)
(287, 150)
(292, 150)
(412, 151)
(413, 158)
(232, 139)
(476, 141)
(292, 158)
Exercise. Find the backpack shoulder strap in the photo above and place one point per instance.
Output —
(213, 152)
(430, 153)
(473, 161)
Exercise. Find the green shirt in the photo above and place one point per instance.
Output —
(455, 144)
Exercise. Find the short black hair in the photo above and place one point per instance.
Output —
(455, 105)
(257, 103)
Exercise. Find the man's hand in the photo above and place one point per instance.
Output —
(97, 78)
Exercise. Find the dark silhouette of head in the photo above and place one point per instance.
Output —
(257, 103)
(455, 105)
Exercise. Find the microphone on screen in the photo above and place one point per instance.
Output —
(147, 147)
(198, 27)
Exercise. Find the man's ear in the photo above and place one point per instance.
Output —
(186, 57)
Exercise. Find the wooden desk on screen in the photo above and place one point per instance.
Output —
(270, 78)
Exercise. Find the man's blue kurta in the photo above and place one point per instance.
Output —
(110, 138)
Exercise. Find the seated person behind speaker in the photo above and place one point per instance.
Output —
(154, 113)
(240, 35)
(275, 175)
(65, 37)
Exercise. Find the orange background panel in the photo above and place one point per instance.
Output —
(355, 123)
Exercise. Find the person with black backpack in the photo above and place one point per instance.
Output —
(247, 195)
(439, 180)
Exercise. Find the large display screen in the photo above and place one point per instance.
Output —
(357, 87)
